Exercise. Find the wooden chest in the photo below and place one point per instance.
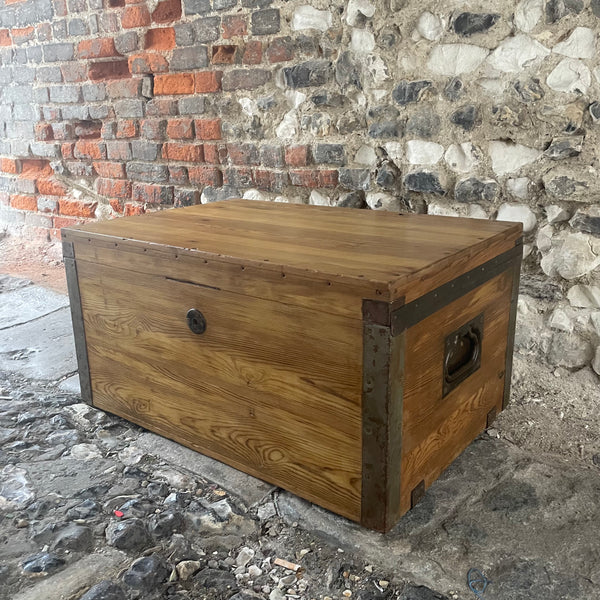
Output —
(347, 356)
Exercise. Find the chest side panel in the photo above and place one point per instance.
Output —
(438, 425)
(270, 388)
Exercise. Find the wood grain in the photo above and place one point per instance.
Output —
(268, 388)
(437, 429)
(398, 254)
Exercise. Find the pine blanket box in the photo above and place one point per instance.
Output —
(347, 356)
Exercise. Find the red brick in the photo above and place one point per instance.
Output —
(7, 2)
(127, 128)
(252, 53)
(97, 48)
(113, 188)
(178, 174)
(160, 39)
(62, 131)
(206, 176)
(208, 81)
(51, 187)
(243, 154)
(116, 205)
(147, 63)
(305, 178)
(270, 181)
(328, 178)
(215, 154)
(60, 222)
(167, 11)
(296, 156)
(23, 35)
(174, 83)
(76, 208)
(116, 69)
(280, 50)
(10, 165)
(87, 130)
(60, 8)
(5, 39)
(89, 149)
(135, 16)
(23, 202)
(134, 209)
(224, 55)
(153, 129)
(161, 107)
(152, 194)
(74, 72)
(124, 88)
(114, 170)
(32, 168)
(208, 129)
(67, 150)
(183, 152)
(180, 129)
(234, 25)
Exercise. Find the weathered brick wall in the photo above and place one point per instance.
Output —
(489, 110)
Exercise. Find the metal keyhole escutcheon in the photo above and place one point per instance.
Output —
(196, 321)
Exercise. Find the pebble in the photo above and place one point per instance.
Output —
(42, 563)
(187, 568)
(244, 556)
(76, 538)
(130, 534)
(105, 590)
(147, 572)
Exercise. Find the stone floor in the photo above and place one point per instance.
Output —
(88, 500)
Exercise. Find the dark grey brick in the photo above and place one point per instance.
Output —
(49, 75)
(196, 7)
(223, 4)
(127, 42)
(332, 154)
(20, 129)
(65, 94)
(77, 6)
(118, 150)
(35, 220)
(94, 92)
(6, 75)
(17, 94)
(265, 22)
(58, 52)
(143, 150)
(192, 105)
(59, 29)
(19, 147)
(185, 59)
(7, 184)
(99, 112)
(131, 108)
(45, 150)
(34, 54)
(78, 27)
(147, 172)
(47, 204)
(24, 75)
(50, 112)
(75, 111)
(186, 197)
(309, 73)
(93, 24)
(6, 112)
(271, 156)
(184, 34)
(24, 186)
(32, 13)
(207, 30)
(20, 56)
(256, 3)
(24, 112)
(95, 4)
(7, 18)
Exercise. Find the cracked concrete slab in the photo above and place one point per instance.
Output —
(27, 302)
(40, 349)
(517, 517)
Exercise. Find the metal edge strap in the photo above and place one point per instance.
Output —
(512, 323)
(77, 320)
(383, 378)
(410, 314)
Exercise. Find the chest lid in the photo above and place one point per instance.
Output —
(397, 255)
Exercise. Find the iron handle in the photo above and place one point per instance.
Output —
(196, 321)
(462, 355)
